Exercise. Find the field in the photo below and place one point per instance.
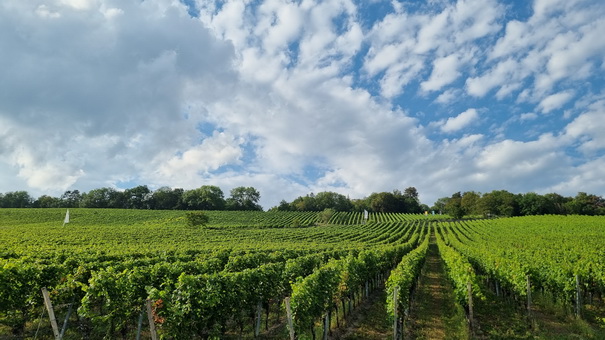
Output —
(395, 275)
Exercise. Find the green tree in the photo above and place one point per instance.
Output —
(305, 203)
(534, 204)
(586, 204)
(557, 203)
(165, 198)
(411, 192)
(17, 199)
(440, 204)
(206, 197)
(500, 203)
(333, 200)
(197, 219)
(283, 206)
(454, 206)
(470, 202)
(103, 198)
(244, 198)
(326, 215)
(137, 198)
(384, 202)
(71, 199)
(46, 201)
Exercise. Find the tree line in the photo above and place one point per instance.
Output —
(506, 204)
(210, 197)
(207, 197)
(394, 202)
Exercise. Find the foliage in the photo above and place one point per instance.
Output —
(197, 219)
(326, 215)
(209, 281)
(454, 206)
(206, 197)
(244, 198)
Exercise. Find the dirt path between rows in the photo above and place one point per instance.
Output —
(434, 313)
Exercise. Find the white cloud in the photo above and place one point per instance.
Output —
(588, 128)
(519, 165)
(587, 177)
(528, 116)
(293, 97)
(103, 88)
(504, 72)
(403, 43)
(448, 96)
(211, 154)
(555, 101)
(445, 71)
(461, 121)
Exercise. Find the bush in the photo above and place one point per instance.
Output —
(197, 218)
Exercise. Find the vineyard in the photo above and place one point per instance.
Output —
(130, 274)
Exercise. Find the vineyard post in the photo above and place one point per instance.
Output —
(578, 298)
(326, 326)
(528, 296)
(469, 289)
(395, 314)
(51, 313)
(154, 335)
(64, 328)
(140, 324)
(259, 310)
(289, 315)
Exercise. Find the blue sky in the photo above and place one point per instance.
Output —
(294, 97)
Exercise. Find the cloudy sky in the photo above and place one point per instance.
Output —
(293, 97)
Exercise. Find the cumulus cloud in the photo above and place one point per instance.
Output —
(588, 128)
(402, 43)
(459, 122)
(84, 87)
(445, 71)
(293, 97)
(555, 101)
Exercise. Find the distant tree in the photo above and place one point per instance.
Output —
(586, 204)
(71, 199)
(384, 202)
(500, 203)
(206, 197)
(103, 198)
(326, 215)
(359, 205)
(557, 203)
(283, 206)
(305, 203)
(332, 200)
(440, 204)
(17, 199)
(46, 201)
(197, 219)
(533, 204)
(424, 207)
(244, 198)
(137, 198)
(454, 206)
(411, 192)
(165, 198)
(470, 202)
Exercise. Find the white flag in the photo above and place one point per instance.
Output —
(365, 214)
(66, 220)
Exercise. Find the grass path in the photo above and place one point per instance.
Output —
(434, 313)
(369, 321)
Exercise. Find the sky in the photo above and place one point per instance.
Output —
(295, 97)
